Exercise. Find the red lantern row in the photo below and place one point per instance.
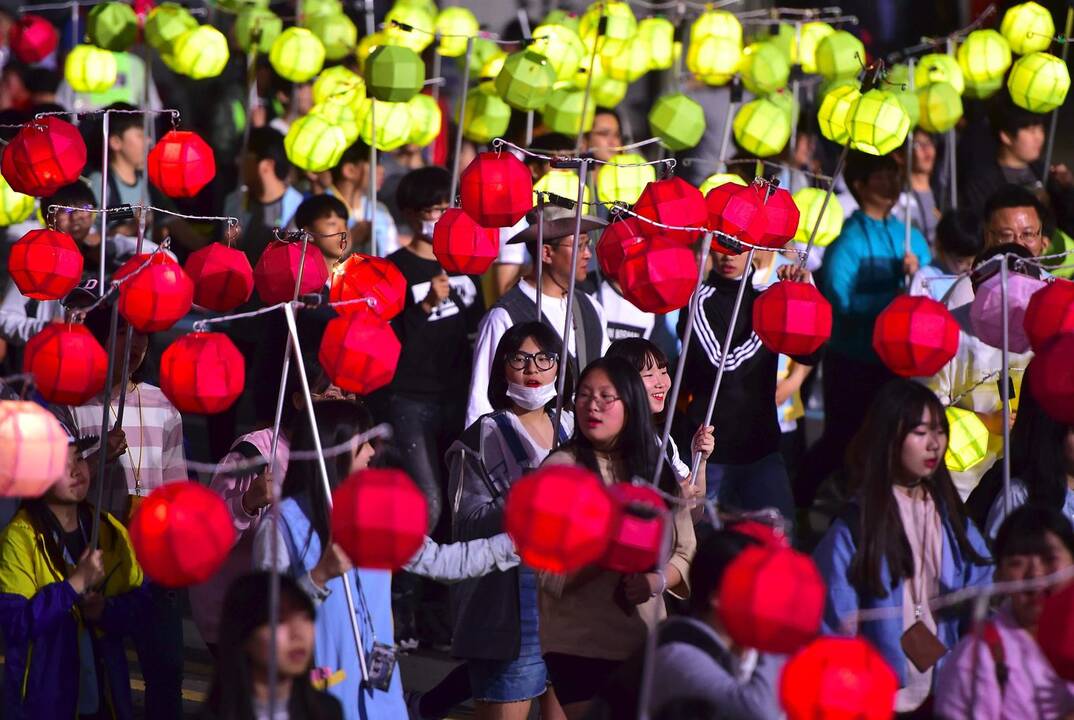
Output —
(181, 164)
(379, 518)
(44, 156)
(367, 276)
(202, 373)
(496, 189)
(158, 296)
(915, 336)
(68, 364)
(463, 246)
(223, 278)
(277, 272)
(359, 352)
(792, 318)
(45, 264)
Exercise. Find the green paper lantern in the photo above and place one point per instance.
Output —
(809, 201)
(911, 103)
(560, 182)
(713, 59)
(394, 74)
(314, 144)
(89, 69)
(716, 23)
(487, 118)
(237, 6)
(940, 107)
(678, 120)
(878, 124)
(484, 50)
(165, 23)
(620, 25)
(629, 64)
(833, 116)
(782, 40)
(967, 439)
(112, 26)
(983, 90)
(562, 17)
(721, 178)
(584, 68)
(812, 34)
(490, 72)
(936, 67)
(1038, 82)
(341, 115)
(266, 23)
(389, 126)
(340, 84)
(526, 80)
(200, 53)
(623, 178)
(1028, 28)
(428, 6)
(297, 55)
(455, 24)
(563, 111)
(608, 93)
(14, 206)
(840, 54)
(898, 74)
(826, 86)
(316, 8)
(562, 47)
(984, 58)
(762, 128)
(764, 68)
(658, 34)
(425, 120)
(419, 18)
(337, 33)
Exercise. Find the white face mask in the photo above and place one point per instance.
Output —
(427, 227)
(531, 398)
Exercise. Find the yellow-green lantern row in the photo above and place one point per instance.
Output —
(678, 120)
(623, 178)
(385, 124)
(762, 128)
(266, 24)
(812, 34)
(425, 120)
(809, 201)
(337, 33)
(764, 68)
(339, 83)
(563, 111)
(714, 60)
(716, 23)
(560, 182)
(833, 116)
(487, 118)
(165, 23)
(14, 206)
(877, 122)
(659, 36)
(1028, 27)
(967, 442)
(619, 23)
(525, 80)
(1038, 82)
(840, 54)
(416, 26)
(629, 64)
(200, 53)
(984, 57)
(112, 26)
(314, 144)
(940, 107)
(394, 73)
(89, 69)
(937, 67)
(718, 179)
(297, 55)
(455, 24)
(562, 47)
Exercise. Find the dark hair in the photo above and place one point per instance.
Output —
(643, 355)
(316, 207)
(553, 142)
(357, 153)
(1013, 263)
(714, 554)
(872, 463)
(547, 340)
(1037, 455)
(266, 143)
(121, 122)
(42, 80)
(423, 188)
(959, 233)
(1013, 196)
(74, 195)
(1024, 531)
(1007, 118)
(862, 166)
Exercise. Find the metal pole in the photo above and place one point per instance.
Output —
(540, 254)
(104, 199)
(951, 142)
(1053, 123)
(437, 72)
(527, 35)
(1005, 381)
(373, 178)
(370, 25)
(906, 248)
(106, 405)
(588, 88)
(129, 338)
(795, 86)
(251, 101)
(824, 205)
(461, 118)
(648, 668)
(725, 140)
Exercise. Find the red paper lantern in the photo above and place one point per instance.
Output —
(496, 189)
(463, 246)
(1055, 631)
(33, 449)
(202, 373)
(44, 156)
(792, 318)
(33, 38)
(372, 277)
(181, 534)
(379, 518)
(1051, 378)
(45, 264)
(560, 518)
(614, 241)
(781, 217)
(1050, 312)
(68, 364)
(772, 599)
(359, 352)
(915, 336)
(838, 678)
(158, 296)
(769, 536)
(671, 202)
(659, 275)
(181, 164)
(736, 210)
(639, 529)
(277, 271)
(223, 278)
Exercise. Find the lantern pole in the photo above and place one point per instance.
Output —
(125, 362)
(723, 356)
(104, 199)
(461, 119)
(540, 252)
(588, 90)
(906, 249)
(725, 140)
(527, 36)
(673, 399)
(824, 205)
(106, 405)
(795, 87)
(648, 667)
(1005, 381)
(251, 100)
(1053, 123)
(373, 177)
(370, 25)
(952, 159)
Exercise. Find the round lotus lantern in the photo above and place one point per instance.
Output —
(967, 442)
(45, 265)
(277, 271)
(738, 211)
(200, 53)
(608, 93)
(1051, 378)
(911, 103)
(89, 69)
(1055, 631)
(297, 55)
(639, 529)
(489, 71)
(877, 122)
(986, 312)
(678, 120)
(260, 24)
(659, 36)
(714, 60)
(112, 26)
(940, 107)
(673, 202)
(1038, 82)
(487, 118)
(425, 119)
(764, 68)
(181, 534)
(984, 58)
(337, 33)
(310, 8)
(560, 518)
(359, 352)
(717, 179)
(385, 124)
(340, 84)
(68, 364)
(562, 47)
(614, 242)
(368, 276)
(526, 80)
(393, 73)
(833, 116)
(379, 518)
(463, 246)
(658, 275)
(314, 143)
(608, 24)
(811, 35)
(915, 336)
(762, 128)
(840, 54)
(454, 25)
(624, 178)
(202, 372)
(33, 38)
(181, 164)
(158, 293)
(939, 67)
(1028, 28)
(411, 26)
(496, 189)
(44, 155)
(14, 206)
(33, 449)
(809, 201)
(838, 678)
(563, 112)
(222, 276)
(165, 23)
(792, 318)
(1049, 313)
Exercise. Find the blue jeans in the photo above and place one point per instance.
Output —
(159, 646)
(754, 486)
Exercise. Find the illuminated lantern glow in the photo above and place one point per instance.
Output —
(839, 54)
(341, 115)
(89, 69)
(112, 26)
(359, 352)
(713, 59)
(809, 201)
(781, 216)
(717, 179)
(379, 518)
(454, 25)
(68, 364)
(158, 296)
(394, 74)
(1051, 378)
(33, 38)
(984, 58)
(771, 600)
(181, 534)
(678, 120)
(487, 118)
(45, 265)
(368, 276)
(939, 67)
(313, 8)
(792, 318)
(762, 128)
(940, 107)
(421, 19)
(368, 43)
(202, 372)
(1055, 631)
(608, 93)
(614, 242)
(636, 538)
(812, 34)
(624, 178)
(1049, 313)
(297, 55)
(44, 156)
(986, 312)
(181, 164)
(967, 440)
(339, 84)
(833, 116)
(769, 536)
(618, 21)
(314, 143)
(736, 210)
(915, 336)
(563, 112)
(560, 518)
(1028, 27)
(490, 71)
(165, 23)
(659, 275)
(222, 276)
(525, 80)
(566, 18)
(33, 449)
(878, 124)
(562, 47)
(261, 23)
(764, 68)
(463, 246)
(200, 53)
(14, 206)
(673, 202)
(277, 271)
(336, 32)
(425, 120)
(659, 36)
(716, 23)
(840, 679)
(496, 189)
(563, 183)
(1038, 82)
(389, 125)
(629, 64)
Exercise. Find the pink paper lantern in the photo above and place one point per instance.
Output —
(277, 271)
(1049, 313)
(673, 202)
(736, 210)
(1051, 378)
(359, 352)
(614, 241)
(639, 530)
(792, 318)
(659, 275)
(379, 518)
(223, 278)
(463, 246)
(915, 336)
(33, 449)
(986, 312)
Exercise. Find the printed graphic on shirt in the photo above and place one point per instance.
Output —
(707, 337)
(620, 331)
(462, 287)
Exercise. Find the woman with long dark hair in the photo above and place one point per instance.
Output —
(903, 539)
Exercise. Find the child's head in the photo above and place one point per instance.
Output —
(73, 485)
(874, 181)
(422, 197)
(266, 159)
(528, 355)
(76, 223)
(1034, 541)
(651, 362)
(959, 239)
(325, 217)
(1019, 133)
(126, 137)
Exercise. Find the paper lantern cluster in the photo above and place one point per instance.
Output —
(68, 364)
(44, 156)
(792, 318)
(758, 214)
(838, 678)
(496, 189)
(164, 24)
(379, 518)
(202, 372)
(283, 266)
(463, 246)
(359, 352)
(915, 336)
(181, 164)
(157, 295)
(367, 276)
(33, 449)
(222, 276)
(986, 312)
(1050, 312)
(45, 264)
(1051, 378)
(967, 439)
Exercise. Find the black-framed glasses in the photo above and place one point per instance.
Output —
(541, 360)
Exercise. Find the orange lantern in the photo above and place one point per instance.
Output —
(379, 518)
(45, 264)
(223, 278)
(359, 352)
(367, 276)
(202, 372)
(33, 449)
(157, 295)
(68, 364)
(280, 266)
(463, 246)
(181, 164)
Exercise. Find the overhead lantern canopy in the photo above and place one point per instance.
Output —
(762, 128)
(260, 22)
(1028, 28)
(764, 68)
(984, 58)
(1038, 82)
(526, 80)
(394, 74)
(678, 120)
(297, 55)
(878, 124)
(89, 69)
(840, 54)
(940, 107)
(812, 34)
(112, 26)
(453, 25)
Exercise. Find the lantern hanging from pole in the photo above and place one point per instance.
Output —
(277, 271)
(394, 74)
(628, 64)
(337, 33)
(410, 26)
(781, 215)
(1055, 631)
(368, 276)
(562, 47)
(426, 120)
(967, 439)
(608, 93)
(259, 22)
(839, 54)
(297, 55)
(388, 127)
(341, 115)
(68, 364)
(833, 116)
(45, 155)
(496, 189)
(33, 449)
(1049, 313)
(986, 312)
(165, 23)
(33, 38)
(314, 143)
(838, 678)
(563, 112)
(379, 518)
(623, 178)
(716, 23)
(112, 26)
(339, 84)
(560, 518)
(608, 24)
(463, 246)
(738, 211)
(202, 372)
(45, 265)
(14, 206)
(673, 202)
(940, 107)
(713, 59)
(984, 58)
(1028, 27)
(764, 68)
(1038, 82)
(525, 80)
(809, 201)
(614, 242)
(658, 275)
(181, 534)
(563, 183)
(89, 69)
(637, 535)
(659, 36)
(811, 35)
(678, 120)
(453, 25)
(877, 122)
(717, 179)
(487, 118)
(762, 128)
(915, 336)
(359, 352)
(792, 318)
(939, 67)
(157, 296)
(200, 53)
(222, 276)
(1051, 378)
(181, 164)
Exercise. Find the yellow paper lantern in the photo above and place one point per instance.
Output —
(833, 116)
(716, 23)
(314, 144)
(388, 127)
(983, 90)
(608, 93)
(455, 24)
(562, 47)
(487, 118)
(297, 55)
(1038, 82)
(562, 17)
(560, 182)
(713, 59)
(967, 439)
(14, 206)
(165, 23)
(619, 22)
(490, 71)
(623, 179)
(367, 44)
(784, 41)
(812, 34)
(340, 84)
(1028, 28)
(425, 120)
(253, 20)
(317, 8)
(936, 67)
(628, 64)
(940, 107)
(809, 201)
(419, 30)
(911, 103)
(839, 54)
(878, 124)
(984, 57)
(336, 32)
(483, 51)
(33, 449)
(341, 115)
(762, 128)
(89, 69)
(659, 36)
(200, 53)
(718, 179)
(764, 68)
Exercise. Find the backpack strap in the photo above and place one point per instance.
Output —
(992, 639)
(514, 442)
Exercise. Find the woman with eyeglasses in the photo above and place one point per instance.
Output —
(594, 619)
(496, 616)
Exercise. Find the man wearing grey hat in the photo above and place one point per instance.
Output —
(588, 337)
